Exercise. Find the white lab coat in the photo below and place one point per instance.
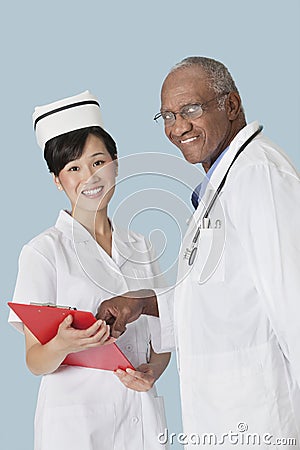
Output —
(237, 309)
(80, 408)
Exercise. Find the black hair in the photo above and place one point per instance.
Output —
(67, 147)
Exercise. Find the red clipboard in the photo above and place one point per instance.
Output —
(43, 322)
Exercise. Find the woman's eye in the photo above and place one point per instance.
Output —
(73, 169)
(98, 163)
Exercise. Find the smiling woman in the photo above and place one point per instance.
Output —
(81, 261)
(88, 179)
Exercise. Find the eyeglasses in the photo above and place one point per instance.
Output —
(188, 112)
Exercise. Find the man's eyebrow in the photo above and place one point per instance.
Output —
(181, 105)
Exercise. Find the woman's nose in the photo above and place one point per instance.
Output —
(91, 174)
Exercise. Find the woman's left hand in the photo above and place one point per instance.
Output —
(141, 379)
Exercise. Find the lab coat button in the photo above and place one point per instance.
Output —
(128, 347)
(135, 420)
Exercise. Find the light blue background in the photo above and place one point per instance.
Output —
(121, 51)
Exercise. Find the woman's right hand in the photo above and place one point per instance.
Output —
(71, 340)
(46, 358)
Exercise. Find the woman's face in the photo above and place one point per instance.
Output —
(89, 181)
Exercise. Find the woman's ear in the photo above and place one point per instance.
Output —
(57, 182)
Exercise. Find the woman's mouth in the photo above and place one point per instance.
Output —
(92, 193)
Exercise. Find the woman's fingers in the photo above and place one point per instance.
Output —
(133, 379)
(101, 337)
(66, 323)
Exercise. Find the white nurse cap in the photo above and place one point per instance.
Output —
(68, 114)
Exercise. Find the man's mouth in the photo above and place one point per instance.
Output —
(187, 141)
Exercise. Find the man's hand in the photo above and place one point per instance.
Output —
(126, 308)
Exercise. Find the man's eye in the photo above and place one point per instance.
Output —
(167, 115)
(191, 109)
(73, 169)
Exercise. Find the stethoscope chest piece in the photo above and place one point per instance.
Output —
(193, 256)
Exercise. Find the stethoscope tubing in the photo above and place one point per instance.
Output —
(217, 193)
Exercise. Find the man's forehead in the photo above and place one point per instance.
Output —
(184, 83)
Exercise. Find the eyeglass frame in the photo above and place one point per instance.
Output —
(201, 105)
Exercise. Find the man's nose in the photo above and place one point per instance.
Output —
(181, 126)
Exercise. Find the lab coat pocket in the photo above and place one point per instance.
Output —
(154, 413)
(160, 413)
(79, 427)
(210, 260)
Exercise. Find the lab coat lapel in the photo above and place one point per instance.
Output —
(227, 159)
(221, 169)
(123, 245)
(218, 221)
(97, 264)
(100, 268)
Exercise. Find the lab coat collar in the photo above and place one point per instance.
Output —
(123, 244)
(234, 147)
(223, 165)
(72, 229)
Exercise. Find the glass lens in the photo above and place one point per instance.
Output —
(191, 111)
(168, 117)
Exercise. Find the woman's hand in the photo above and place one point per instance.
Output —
(141, 379)
(71, 340)
(47, 358)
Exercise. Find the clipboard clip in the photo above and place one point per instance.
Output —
(51, 305)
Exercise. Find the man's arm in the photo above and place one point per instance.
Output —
(266, 216)
(119, 311)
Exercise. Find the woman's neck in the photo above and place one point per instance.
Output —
(97, 224)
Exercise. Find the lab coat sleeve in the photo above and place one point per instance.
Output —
(266, 213)
(36, 281)
(162, 328)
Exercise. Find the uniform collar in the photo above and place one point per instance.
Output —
(76, 232)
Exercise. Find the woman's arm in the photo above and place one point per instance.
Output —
(143, 378)
(42, 359)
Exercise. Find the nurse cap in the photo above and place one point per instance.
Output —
(68, 114)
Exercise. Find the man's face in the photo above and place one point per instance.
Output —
(204, 138)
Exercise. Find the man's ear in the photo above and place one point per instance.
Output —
(233, 105)
(57, 182)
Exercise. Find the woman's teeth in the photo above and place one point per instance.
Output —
(92, 191)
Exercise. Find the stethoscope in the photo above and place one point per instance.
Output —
(191, 253)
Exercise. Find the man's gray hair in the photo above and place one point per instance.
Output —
(219, 76)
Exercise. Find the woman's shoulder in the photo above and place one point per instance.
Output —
(48, 235)
(45, 242)
(128, 235)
